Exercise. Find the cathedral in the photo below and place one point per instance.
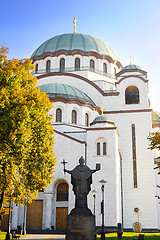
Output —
(101, 112)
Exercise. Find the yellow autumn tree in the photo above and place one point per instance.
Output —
(26, 134)
(154, 139)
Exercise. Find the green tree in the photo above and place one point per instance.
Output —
(26, 133)
(154, 139)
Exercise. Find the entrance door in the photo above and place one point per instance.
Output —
(34, 215)
(61, 215)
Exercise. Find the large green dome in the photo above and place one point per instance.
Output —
(71, 42)
(65, 91)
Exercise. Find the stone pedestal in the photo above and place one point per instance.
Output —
(80, 226)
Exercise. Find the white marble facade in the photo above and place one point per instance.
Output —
(76, 139)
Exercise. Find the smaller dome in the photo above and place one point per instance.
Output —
(101, 119)
(131, 67)
(65, 91)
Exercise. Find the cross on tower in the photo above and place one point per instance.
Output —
(75, 26)
(102, 109)
(64, 163)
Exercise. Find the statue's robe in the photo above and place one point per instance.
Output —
(81, 179)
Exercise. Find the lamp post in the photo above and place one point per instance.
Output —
(8, 235)
(94, 196)
(102, 182)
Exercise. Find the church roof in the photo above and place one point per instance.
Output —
(101, 119)
(65, 91)
(71, 42)
(131, 67)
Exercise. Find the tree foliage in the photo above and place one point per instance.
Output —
(26, 134)
(154, 139)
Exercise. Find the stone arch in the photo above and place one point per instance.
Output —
(60, 206)
(92, 64)
(77, 63)
(74, 117)
(132, 95)
(101, 146)
(58, 114)
(62, 64)
(105, 70)
(62, 191)
(48, 66)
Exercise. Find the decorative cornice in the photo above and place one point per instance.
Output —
(129, 76)
(74, 52)
(103, 128)
(81, 78)
(128, 111)
(93, 123)
(111, 93)
(119, 65)
(131, 70)
(74, 139)
(76, 132)
(69, 124)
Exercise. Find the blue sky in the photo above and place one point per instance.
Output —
(129, 28)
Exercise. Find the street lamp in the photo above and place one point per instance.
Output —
(102, 182)
(94, 196)
(8, 235)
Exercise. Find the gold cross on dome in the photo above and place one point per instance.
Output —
(102, 109)
(75, 26)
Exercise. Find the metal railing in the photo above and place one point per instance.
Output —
(53, 70)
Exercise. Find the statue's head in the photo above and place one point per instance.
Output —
(81, 161)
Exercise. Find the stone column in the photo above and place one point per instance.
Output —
(14, 221)
(47, 211)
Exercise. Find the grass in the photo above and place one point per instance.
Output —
(113, 236)
(2, 235)
(132, 235)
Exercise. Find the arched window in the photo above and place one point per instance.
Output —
(62, 64)
(77, 64)
(132, 95)
(86, 120)
(104, 148)
(36, 68)
(98, 148)
(92, 64)
(104, 68)
(74, 117)
(58, 115)
(62, 192)
(48, 66)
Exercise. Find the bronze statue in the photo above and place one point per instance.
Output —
(81, 179)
